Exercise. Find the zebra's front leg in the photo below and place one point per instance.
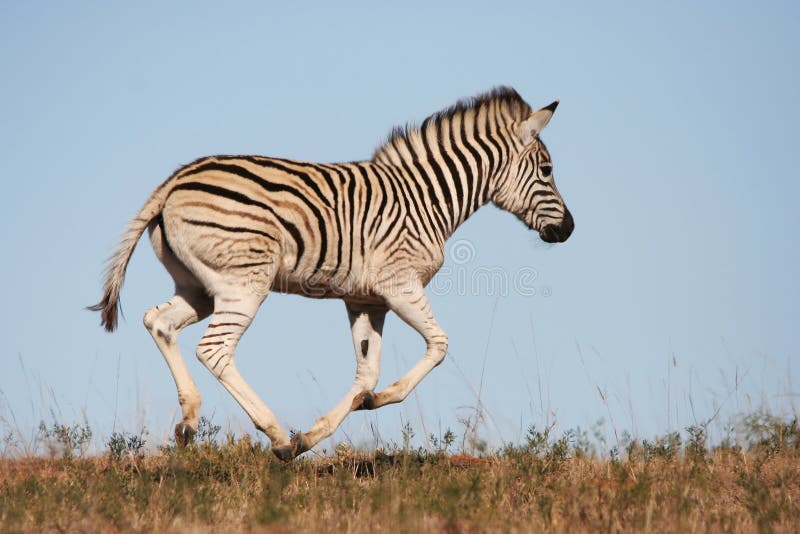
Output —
(366, 324)
(410, 303)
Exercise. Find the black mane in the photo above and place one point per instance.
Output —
(506, 96)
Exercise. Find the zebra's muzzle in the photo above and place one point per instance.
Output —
(558, 233)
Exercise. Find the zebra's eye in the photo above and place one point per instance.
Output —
(546, 169)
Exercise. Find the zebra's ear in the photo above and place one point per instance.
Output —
(530, 127)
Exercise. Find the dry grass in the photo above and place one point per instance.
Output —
(673, 483)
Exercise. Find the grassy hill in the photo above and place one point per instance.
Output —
(672, 483)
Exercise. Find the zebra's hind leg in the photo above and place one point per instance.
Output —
(366, 323)
(233, 312)
(164, 322)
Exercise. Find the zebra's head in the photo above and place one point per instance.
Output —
(529, 190)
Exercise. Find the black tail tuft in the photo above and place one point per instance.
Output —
(109, 312)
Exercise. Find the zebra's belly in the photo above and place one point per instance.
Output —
(321, 287)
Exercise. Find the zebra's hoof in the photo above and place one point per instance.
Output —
(284, 453)
(297, 446)
(183, 434)
(364, 401)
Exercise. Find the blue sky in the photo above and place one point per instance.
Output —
(674, 147)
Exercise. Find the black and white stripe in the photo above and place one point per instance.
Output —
(232, 228)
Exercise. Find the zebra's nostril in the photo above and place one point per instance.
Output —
(558, 233)
(549, 234)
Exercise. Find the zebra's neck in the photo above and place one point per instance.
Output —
(453, 163)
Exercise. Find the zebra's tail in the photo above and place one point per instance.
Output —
(109, 305)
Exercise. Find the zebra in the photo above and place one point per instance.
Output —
(231, 229)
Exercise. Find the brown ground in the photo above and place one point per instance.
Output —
(240, 486)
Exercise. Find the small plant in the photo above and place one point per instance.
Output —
(582, 445)
(559, 450)
(537, 440)
(666, 447)
(541, 453)
(206, 432)
(471, 442)
(448, 439)
(125, 445)
(65, 441)
(10, 443)
(696, 445)
(408, 435)
(770, 434)
(441, 445)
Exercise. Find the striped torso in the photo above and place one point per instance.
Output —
(320, 230)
